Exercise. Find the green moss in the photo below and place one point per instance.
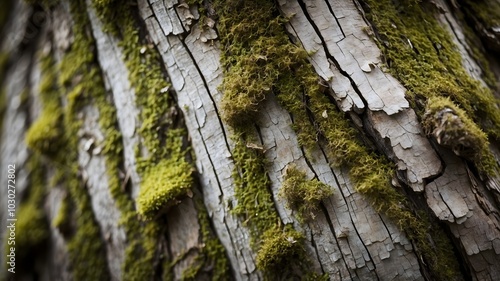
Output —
(254, 68)
(44, 136)
(276, 66)
(303, 195)
(280, 249)
(370, 173)
(451, 127)
(166, 165)
(142, 238)
(255, 203)
(247, 81)
(431, 69)
(32, 228)
(164, 185)
(87, 260)
(63, 220)
(432, 65)
(282, 256)
(254, 64)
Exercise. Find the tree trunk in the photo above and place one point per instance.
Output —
(249, 140)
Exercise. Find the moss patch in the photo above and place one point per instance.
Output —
(157, 110)
(255, 203)
(142, 238)
(283, 70)
(256, 53)
(431, 66)
(303, 195)
(451, 127)
(86, 259)
(163, 185)
(254, 64)
(45, 134)
(280, 249)
(32, 227)
(166, 166)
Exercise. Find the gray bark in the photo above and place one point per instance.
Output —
(348, 239)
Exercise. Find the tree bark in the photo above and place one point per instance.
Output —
(198, 235)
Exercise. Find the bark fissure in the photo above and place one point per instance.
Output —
(327, 52)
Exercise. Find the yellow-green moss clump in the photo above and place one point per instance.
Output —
(32, 226)
(282, 256)
(255, 203)
(452, 128)
(166, 182)
(431, 66)
(254, 64)
(256, 208)
(45, 134)
(301, 194)
(279, 250)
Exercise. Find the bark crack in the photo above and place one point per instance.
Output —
(350, 216)
(327, 52)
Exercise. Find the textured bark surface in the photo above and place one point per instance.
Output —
(348, 239)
